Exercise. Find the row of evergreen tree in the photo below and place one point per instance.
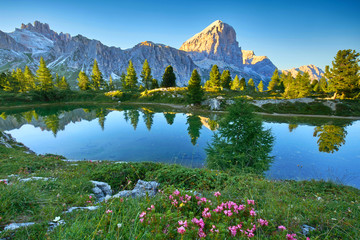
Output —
(24, 81)
(343, 78)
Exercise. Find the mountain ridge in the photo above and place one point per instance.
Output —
(68, 55)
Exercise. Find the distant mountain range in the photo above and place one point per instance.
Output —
(68, 55)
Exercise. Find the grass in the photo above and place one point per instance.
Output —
(334, 210)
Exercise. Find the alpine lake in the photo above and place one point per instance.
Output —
(304, 147)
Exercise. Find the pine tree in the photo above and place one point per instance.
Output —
(63, 85)
(344, 75)
(11, 84)
(235, 85)
(251, 85)
(131, 78)
(242, 84)
(123, 80)
(29, 79)
(169, 78)
(275, 81)
(44, 76)
(83, 81)
(225, 79)
(261, 86)
(195, 92)
(57, 81)
(215, 77)
(111, 84)
(323, 85)
(304, 87)
(154, 83)
(20, 77)
(97, 80)
(145, 75)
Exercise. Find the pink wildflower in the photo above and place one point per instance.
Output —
(181, 230)
(233, 230)
(187, 197)
(141, 220)
(263, 222)
(171, 197)
(291, 236)
(217, 194)
(282, 228)
(228, 213)
(241, 207)
(251, 202)
(201, 233)
(108, 211)
(142, 214)
(252, 212)
(90, 197)
(176, 192)
(183, 223)
(175, 202)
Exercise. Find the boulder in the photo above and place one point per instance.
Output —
(101, 190)
(141, 189)
(90, 208)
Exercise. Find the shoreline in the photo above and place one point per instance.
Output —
(175, 106)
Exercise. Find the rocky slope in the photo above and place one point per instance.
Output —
(67, 55)
(315, 72)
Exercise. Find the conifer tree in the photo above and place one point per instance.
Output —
(131, 78)
(170, 117)
(29, 79)
(235, 85)
(260, 86)
(169, 78)
(20, 77)
(11, 84)
(63, 85)
(97, 78)
(323, 85)
(215, 77)
(111, 84)
(154, 83)
(225, 79)
(57, 81)
(194, 127)
(123, 80)
(83, 81)
(344, 75)
(304, 87)
(195, 92)
(275, 81)
(145, 75)
(251, 85)
(44, 76)
(242, 84)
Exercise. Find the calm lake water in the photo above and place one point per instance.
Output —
(304, 148)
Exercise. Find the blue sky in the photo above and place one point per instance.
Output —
(290, 33)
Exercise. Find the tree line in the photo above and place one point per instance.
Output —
(341, 79)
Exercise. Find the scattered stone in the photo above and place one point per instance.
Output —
(141, 189)
(53, 225)
(90, 208)
(306, 229)
(213, 103)
(5, 143)
(14, 226)
(36, 179)
(101, 190)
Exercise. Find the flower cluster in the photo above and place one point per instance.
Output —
(186, 214)
(3, 181)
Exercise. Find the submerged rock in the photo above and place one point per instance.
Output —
(214, 103)
(141, 189)
(101, 190)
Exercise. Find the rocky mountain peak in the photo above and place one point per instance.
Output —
(315, 72)
(216, 42)
(44, 29)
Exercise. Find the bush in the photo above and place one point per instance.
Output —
(115, 94)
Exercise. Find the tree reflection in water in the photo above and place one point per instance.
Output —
(331, 137)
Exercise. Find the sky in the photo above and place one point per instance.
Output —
(290, 33)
